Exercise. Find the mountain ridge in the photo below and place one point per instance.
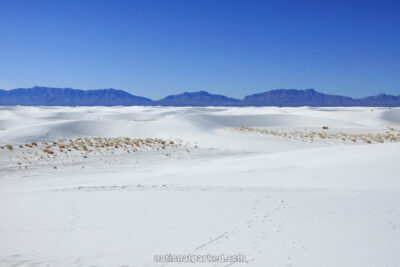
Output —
(199, 98)
(47, 96)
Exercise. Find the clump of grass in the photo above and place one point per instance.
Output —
(48, 151)
(9, 147)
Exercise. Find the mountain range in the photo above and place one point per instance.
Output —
(45, 96)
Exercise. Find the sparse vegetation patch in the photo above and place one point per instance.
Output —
(391, 134)
(86, 146)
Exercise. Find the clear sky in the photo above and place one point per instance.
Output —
(236, 48)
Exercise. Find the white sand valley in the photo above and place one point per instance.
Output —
(199, 186)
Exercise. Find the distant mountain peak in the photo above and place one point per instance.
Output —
(47, 96)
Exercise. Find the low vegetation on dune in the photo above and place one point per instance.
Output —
(84, 146)
(391, 134)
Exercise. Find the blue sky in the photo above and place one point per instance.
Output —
(156, 48)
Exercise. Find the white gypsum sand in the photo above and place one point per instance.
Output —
(124, 184)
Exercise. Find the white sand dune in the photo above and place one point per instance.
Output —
(392, 115)
(276, 200)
